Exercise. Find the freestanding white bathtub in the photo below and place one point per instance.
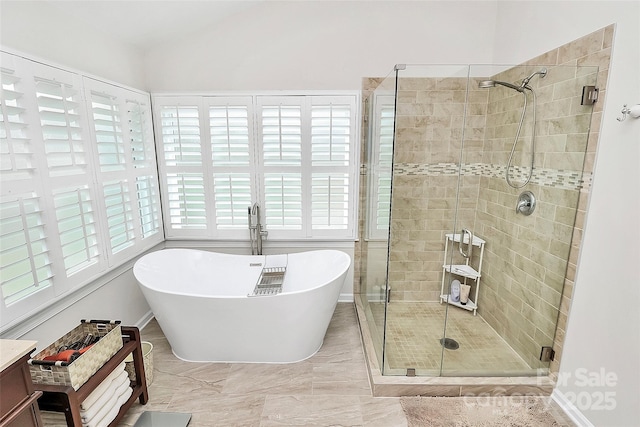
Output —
(200, 300)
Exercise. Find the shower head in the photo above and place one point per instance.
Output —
(484, 84)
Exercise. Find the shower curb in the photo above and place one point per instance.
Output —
(398, 386)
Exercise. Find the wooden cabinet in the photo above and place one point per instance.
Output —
(18, 399)
(67, 400)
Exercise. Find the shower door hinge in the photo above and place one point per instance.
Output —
(547, 354)
(363, 169)
(589, 95)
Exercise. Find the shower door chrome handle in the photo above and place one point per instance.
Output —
(469, 245)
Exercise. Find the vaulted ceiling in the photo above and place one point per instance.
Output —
(146, 23)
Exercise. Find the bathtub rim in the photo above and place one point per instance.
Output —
(282, 294)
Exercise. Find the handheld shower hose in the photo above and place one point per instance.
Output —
(522, 88)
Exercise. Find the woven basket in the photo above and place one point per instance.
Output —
(76, 373)
(147, 358)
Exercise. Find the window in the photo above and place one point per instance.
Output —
(126, 175)
(232, 161)
(26, 264)
(75, 215)
(294, 155)
(79, 184)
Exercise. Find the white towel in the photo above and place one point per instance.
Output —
(109, 393)
(108, 407)
(104, 385)
(113, 413)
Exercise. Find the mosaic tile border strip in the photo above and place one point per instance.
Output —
(566, 180)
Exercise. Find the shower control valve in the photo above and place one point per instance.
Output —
(526, 203)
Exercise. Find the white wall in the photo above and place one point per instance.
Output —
(317, 45)
(44, 32)
(604, 321)
(118, 299)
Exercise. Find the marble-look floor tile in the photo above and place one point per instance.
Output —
(330, 388)
(214, 409)
(344, 378)
(260, 378)
(382, 412)
(311, 411)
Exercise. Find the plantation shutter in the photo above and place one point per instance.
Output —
(16, 154)
(148, 205)
(75, 214)
(181, 163)
(119, 215)
(300, 165)
(280, 146)
(25, 258)
(129, 199)
(68, 176)
(108, 132)
(79, 182)
(143, 165)
(42, 148)
(111, 158)
(25, 262)
(232, 161)
(62, 133)
(332, 130)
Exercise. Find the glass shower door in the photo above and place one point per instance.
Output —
(378, 126)
(430, 106)
(528, 239)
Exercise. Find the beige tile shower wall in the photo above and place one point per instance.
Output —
(525, 261)
(531, 261)
(427, 152)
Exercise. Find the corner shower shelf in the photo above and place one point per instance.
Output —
(470, 305)
(466, 271)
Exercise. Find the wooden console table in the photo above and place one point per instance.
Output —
(67, 400)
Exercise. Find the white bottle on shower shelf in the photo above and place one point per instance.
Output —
(455, 291)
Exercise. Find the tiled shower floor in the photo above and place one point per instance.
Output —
(412, 341)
